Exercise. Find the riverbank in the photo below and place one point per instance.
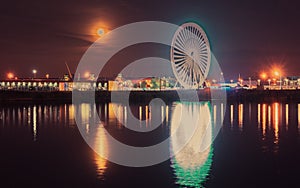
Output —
(264, 95)
(241, 95)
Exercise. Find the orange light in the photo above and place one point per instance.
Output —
(10, 75)
(98, 28)
(263, 75)
(86, 74)
(276, 73)
(100, 32)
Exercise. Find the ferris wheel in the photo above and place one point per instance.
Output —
(190, 55)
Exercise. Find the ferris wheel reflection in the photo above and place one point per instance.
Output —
(192, 163)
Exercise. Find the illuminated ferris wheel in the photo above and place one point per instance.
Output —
(190, 55)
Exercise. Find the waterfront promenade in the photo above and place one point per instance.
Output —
(239, 95)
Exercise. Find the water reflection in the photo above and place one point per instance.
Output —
(231, 116)
(264, 121)
(34, 128)
(272, 120)
(286, 116)
(298, 117)
(269, 116)
(101, 146)
(258, 115)
(114, 121)
(241, 113)
(193, 162)
(276, 122)
(86, 118)
(215, 113)
(33, 116)
(191, 167)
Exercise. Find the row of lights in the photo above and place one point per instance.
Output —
(19, 84)
(276, 73)
(11, 75)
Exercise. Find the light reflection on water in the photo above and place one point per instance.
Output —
(102, 150)
(264, 121)
(241, 115)
(190, 167)
(286, 116)
(276, 122)
(258, 116)
(34, 124)
(231, 116)
(193, 162)
(298, 117)
(272, 119)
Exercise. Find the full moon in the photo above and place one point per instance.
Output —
(100, 32)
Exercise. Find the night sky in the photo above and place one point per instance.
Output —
(246, 36)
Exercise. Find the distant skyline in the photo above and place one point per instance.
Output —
(247, 37)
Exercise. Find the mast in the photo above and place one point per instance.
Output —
(70, 74)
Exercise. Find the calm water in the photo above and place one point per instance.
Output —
(257, 146)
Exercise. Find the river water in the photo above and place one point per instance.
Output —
(257, 145)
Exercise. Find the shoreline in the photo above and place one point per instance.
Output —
(241, 95)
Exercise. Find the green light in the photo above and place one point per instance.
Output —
(193, 177)
(192, 167)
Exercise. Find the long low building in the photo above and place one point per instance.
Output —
(51, 84)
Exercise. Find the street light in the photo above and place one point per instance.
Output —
(34, 71)
(241, 82)
(221, 77)
(286, 81)
(263, 75)
(10, 75)
(249, 82)
(269, 80)
(258, 82)
(87, 75)
(277, 73)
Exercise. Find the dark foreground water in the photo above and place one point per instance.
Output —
(257, 146)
